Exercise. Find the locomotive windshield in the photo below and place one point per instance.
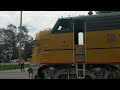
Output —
(62, 26)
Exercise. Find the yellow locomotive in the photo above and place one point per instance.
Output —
(61, 53)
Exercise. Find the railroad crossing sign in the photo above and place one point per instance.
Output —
(10, 52)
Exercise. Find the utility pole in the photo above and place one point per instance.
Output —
(20, 35)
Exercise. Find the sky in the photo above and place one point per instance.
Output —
(35, 20)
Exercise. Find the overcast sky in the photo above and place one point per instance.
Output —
(35, 20)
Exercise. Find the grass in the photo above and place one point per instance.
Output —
(10, 67)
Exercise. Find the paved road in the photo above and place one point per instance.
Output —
(13, 63)
(14, 74)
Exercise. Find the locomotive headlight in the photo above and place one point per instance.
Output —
(34, 42)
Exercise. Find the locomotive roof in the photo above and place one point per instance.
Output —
(97, 22)
(102, 15)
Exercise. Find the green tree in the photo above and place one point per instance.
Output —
(26, 40)
(12, 27)
(11, 33)
(9, 37)
(27, 50)
(2, 40)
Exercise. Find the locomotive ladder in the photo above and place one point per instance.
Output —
(80, 72)
(81, 56)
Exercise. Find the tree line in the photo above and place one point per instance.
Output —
(9, 42)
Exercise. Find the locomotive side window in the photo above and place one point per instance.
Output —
(78, 32)
(80, 38)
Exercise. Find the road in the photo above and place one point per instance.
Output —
(13, 63)
(14, 74)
